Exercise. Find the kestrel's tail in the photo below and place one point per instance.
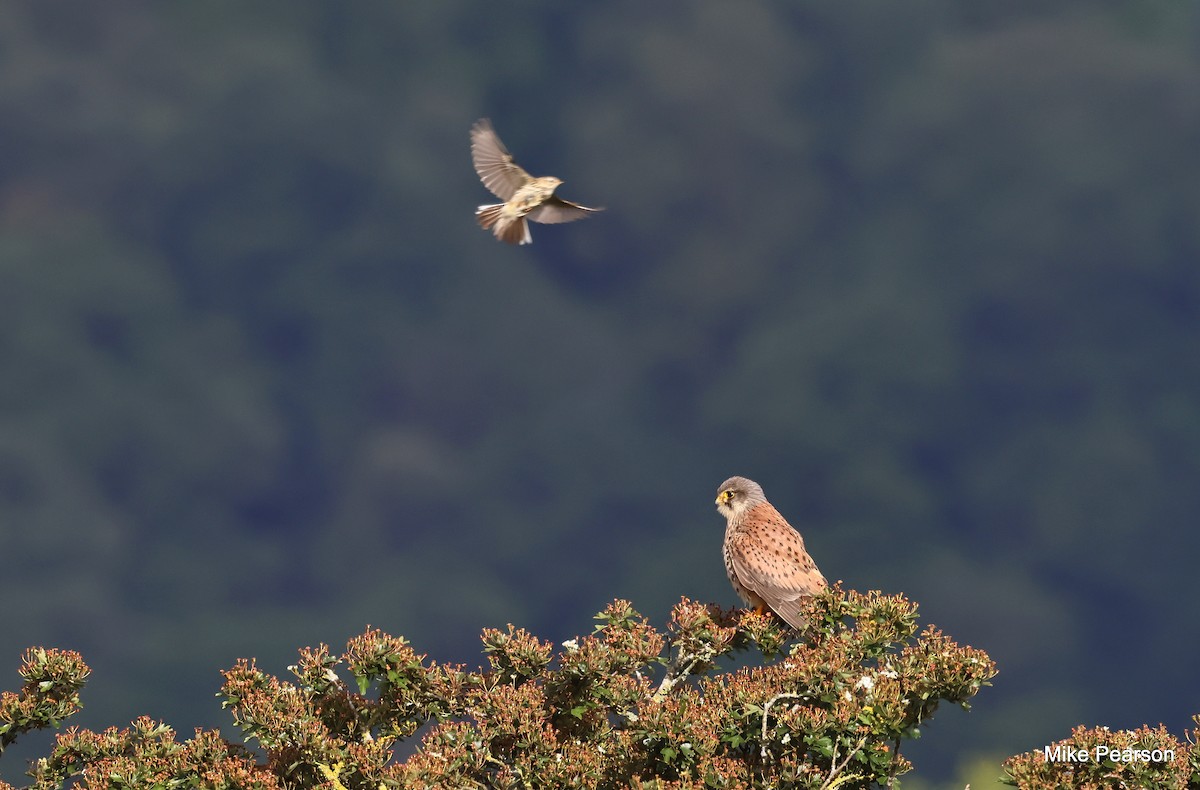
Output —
(510, 230)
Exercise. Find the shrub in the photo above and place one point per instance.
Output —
(1144, 758)
(624, 706)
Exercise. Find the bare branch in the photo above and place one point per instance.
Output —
(767, 711)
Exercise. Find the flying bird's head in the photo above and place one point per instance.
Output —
(737, 495)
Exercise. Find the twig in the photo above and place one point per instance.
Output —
(836, 767)
(831, 781)
(895, 764)
(766, 712)
(681, 666)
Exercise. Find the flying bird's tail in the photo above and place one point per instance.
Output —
(514, 231)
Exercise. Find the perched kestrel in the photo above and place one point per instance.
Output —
(524, 196)
(764, 555)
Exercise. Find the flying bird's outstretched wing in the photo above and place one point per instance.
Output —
(557, 210)
(494, 163)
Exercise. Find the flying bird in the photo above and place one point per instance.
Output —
(525, 197)
(764, 556)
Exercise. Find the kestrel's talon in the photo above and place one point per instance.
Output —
(765, 557)
(525, 197)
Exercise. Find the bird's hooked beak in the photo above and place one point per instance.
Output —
(724, 497)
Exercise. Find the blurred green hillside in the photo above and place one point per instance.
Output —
(928, 272)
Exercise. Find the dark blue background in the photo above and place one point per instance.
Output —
(928, 273)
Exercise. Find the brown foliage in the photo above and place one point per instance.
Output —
(623, 706)
(49, 694)
(1145, 758)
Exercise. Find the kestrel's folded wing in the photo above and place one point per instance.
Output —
(557, 210)
(769, 558)
(493, 162)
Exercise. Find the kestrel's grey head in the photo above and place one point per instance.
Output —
(736, 495)
(765, 557)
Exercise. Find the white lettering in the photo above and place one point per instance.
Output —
(1128, 755)
(1060, 753)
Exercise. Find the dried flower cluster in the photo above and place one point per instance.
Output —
(624, 706)
(146, 755)
(49, 694)
(1144, 758)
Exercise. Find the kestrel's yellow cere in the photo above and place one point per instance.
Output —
(764, 556)
(524, 196)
